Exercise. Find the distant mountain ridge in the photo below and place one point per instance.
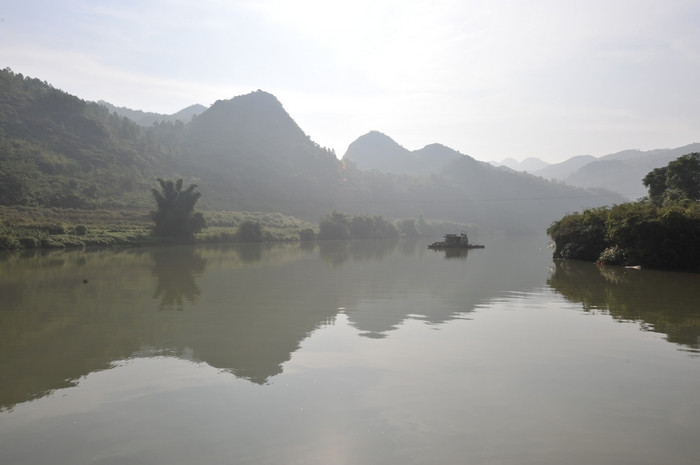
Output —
(529, 165)
(564, 169)
(621, 172)
(377, 151)
(147, 119)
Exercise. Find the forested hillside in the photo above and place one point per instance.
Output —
(255, 157)
(246, 154)
(59, 151)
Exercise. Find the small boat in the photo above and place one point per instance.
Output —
(455, 241)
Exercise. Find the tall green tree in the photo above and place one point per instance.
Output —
(175, 216)
(678, 180)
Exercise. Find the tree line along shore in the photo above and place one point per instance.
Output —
(24, 227)
(661, 230)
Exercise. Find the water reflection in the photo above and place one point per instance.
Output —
(337, 253)
(63, 315)
(453, 253)
(264, 363)
(246, 308)
(177, 269)
(663, 302)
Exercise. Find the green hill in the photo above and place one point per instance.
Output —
(59, 151)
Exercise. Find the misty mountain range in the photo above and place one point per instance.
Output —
(146, 119)
(621, 172)
(248, 154)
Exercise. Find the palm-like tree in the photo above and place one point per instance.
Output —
(175, 216)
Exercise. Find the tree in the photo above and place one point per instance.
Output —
(683, 174)
(307, 234)
(334, 226)
(678, 180)
(175, 216)
(655, 182)
(408, 227)
(250, 231)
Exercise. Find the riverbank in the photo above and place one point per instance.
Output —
(54, 228)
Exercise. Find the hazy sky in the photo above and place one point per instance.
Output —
(490, 78)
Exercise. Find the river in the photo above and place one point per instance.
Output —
(366, 352)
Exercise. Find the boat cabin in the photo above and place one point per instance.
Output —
(456, 240)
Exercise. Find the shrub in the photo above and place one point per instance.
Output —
(53, 228)
(307, 234)
(250, 231)
(614, 255)
(8, 242)
(30, 242)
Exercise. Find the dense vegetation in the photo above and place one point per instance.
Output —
(661, 231)
(59, 151)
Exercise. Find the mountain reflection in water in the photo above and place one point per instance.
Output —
(246, 309)
(242, 308)
(344, 352)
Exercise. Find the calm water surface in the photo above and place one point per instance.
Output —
(345, 353)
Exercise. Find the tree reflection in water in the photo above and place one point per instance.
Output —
(177, 269)
(662, 302)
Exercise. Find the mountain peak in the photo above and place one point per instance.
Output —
(256, 113)
(257, 102)
(377, 151)
(371, 144)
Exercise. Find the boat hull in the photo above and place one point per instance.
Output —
(442, 246)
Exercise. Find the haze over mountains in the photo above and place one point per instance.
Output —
(146, 119)
(377, 151)
(247, 153)
(621, 172)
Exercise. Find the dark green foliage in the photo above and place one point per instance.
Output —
(638, 233)
(340, 226)
(334, 226)
(372, 227)
(307, 234)
(8, 242)
(59, 151)
(249, 231)
(677, 181)
(580, 235)
(175, 216)
(661, 233)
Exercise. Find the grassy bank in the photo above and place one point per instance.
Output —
(33, 227)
